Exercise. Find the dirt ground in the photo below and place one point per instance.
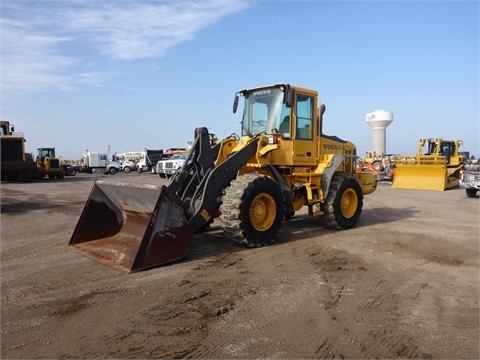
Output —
(403, 284)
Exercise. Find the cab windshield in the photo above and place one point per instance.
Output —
(47, 153)
(178, 156)
(266, 112)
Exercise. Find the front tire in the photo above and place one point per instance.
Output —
(344, 202)
(471, 193)
(252, 210)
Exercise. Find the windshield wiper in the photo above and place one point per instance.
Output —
(250, 135)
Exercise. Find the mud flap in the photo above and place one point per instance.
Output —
(132, 227)
(420, 177)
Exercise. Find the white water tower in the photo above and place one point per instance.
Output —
(379, 120)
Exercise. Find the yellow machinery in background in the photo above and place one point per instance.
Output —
(378, 162)
(436, 169)
(16, 164)
(48, 164)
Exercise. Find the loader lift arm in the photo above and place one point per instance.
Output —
(200, 182)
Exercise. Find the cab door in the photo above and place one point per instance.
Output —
(304, 147)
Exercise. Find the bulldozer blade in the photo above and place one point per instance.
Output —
(420, 177)
(132, 227)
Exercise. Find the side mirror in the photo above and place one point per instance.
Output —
(235, 103)
(290, 100)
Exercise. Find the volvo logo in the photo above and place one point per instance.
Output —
(332, 147)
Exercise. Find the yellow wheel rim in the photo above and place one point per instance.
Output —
(262, 212)
(349, 203)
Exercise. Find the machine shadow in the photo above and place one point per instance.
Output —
(16, 207)
(300, 227)
(385, 215)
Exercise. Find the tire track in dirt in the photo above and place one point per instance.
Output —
(348, 298)
(183, 314)
(369, 321)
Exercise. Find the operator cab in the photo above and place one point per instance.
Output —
(46, 153)
(287, 112)
(269, 111)
(6, 128)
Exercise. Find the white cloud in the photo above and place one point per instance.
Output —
(49, 44)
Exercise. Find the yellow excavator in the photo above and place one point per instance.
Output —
(436, 168)
(251, 182)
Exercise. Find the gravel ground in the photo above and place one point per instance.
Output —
(404, 283)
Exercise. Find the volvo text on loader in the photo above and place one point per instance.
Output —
(436, 166)
(281, 162)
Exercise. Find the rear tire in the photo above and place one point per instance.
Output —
(344, 202)
(40, 173)
(252, 210)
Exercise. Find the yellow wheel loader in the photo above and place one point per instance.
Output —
(436, 166)
(378, 162)
(48, 164)
(281, 162)
(16, 164)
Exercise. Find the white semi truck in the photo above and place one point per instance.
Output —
(98, 161)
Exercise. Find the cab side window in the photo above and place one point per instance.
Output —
(304, 117)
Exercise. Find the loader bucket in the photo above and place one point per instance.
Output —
(420, 177)
(132, 227)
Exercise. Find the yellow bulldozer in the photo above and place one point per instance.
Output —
(436, 166)
(251, 182)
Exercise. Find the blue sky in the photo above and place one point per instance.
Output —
(89, 74)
